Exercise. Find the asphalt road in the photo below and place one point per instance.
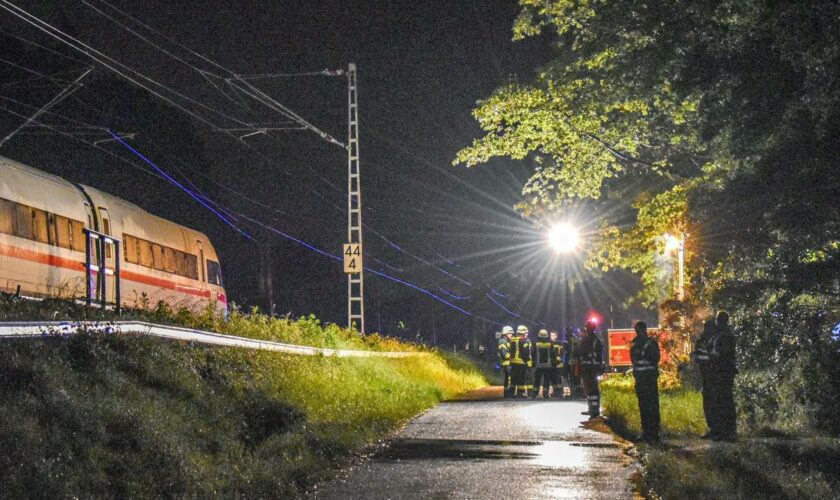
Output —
(487, 447)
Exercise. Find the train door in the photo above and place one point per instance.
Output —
(110, 253)
(202, 266)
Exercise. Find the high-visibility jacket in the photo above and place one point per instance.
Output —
(520, 351)
(722, 354)
(590, 351)
(503, 352)
(701, 350)
(644, 354)
(557, 355)
(542, 353)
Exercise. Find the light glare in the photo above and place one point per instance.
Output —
(563, 238)
(671, 242)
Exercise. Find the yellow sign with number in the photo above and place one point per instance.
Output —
(352, 258)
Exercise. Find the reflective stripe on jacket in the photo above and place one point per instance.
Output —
(644, 355)
(542, 354)
(516, 351)
(590, 351)
(557, 355)
(503, 352)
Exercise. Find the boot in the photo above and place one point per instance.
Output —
(594, 406)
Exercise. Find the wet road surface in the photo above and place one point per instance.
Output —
(487, 447)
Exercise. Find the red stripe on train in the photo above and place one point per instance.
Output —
(75, 265)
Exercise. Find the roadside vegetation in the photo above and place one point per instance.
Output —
(98, 415)
(775, 456)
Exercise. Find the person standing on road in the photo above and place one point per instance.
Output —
(589, 356)
(503, 352)
(702, 359)
(722, 371)
(556, 372)
(528, 356)
(542, 364)
(570, 341)
(644, 354)
(519, 359)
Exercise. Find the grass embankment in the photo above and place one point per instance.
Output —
(760, 465)
(131, 416)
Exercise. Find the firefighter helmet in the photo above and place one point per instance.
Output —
(507, 330)
(543, 333)
(522, 329)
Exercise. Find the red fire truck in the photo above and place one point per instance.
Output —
(618, 344)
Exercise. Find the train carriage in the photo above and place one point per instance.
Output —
(43, 249)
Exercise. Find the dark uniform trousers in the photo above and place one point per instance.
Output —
(518, 375)
(542, 378)
(589, 378)
(721, 393)
(647, 391)
(721, 404)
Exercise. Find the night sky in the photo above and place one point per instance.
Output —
(422, 67)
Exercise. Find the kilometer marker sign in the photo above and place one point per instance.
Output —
(352, 258)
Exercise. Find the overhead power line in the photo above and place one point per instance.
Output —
(114, 65)
(251, 91)
(74, 86)
(239, 82)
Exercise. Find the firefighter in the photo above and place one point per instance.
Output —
(701, 358)
(528, 356)
(503, 351)
(542, 364)
(590, 359)
(556, 373)
(520, 357)
(722, 371)
(644, 354)
(569, 362)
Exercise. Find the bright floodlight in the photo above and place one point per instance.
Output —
(671, 242)
(563, 237)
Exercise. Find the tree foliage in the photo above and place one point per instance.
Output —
(647, 106)
(716, 120)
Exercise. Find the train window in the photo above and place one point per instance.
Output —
(7, 215)
(62, 231)
(214, 273)
(191, 263)
(159, 254)
(77, 231)
(39, 224)
(179, 262)
(23, 221)
(171, 264)
(146, 254)
(130, 248)
(106, 228)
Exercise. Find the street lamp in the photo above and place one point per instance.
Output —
(678, 243)
(563, 237)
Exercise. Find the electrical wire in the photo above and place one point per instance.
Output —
(30, 42)
(251, 91)
(178, 184)
(112, 64)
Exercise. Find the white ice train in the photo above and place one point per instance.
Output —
(43, 250)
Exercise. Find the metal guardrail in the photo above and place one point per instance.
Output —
(53, 328)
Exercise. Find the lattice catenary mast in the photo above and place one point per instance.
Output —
(355, 281)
